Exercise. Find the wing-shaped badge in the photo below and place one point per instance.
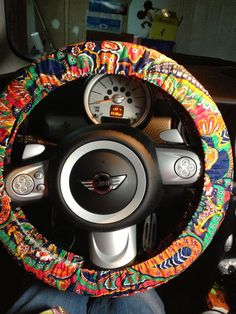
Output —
(103, 183)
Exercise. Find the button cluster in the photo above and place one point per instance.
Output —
(185, 167)
(24, 184)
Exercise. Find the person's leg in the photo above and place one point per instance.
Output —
(38, 297)
(147, 302)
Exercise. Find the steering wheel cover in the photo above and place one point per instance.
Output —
(63, 269)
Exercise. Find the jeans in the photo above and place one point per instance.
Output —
(39, 297)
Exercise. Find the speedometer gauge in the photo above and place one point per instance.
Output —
(109, 97)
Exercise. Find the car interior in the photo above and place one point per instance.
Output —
(117, 156)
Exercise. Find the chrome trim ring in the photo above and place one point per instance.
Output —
(81, 212)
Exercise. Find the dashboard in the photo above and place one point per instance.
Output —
(102, 99)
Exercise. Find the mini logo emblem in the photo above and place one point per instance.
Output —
(103, 183)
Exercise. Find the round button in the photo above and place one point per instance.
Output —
(38, 175)
(23, 184)
(24, 190)
(185, 167)
(22, 179)
(191, 167)
(40, 187)
(185, 162)
(29, 183)
(17, 186)
(185, 173)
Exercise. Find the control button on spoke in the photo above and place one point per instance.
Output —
(38, 175)
(29, 183)
(185, 173)
(22, 179)
(40, 188)
(23, 184)
(191, 167)
(185, 162)
(24, 190)
(185, 167)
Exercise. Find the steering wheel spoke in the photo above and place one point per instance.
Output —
(178, 166)
(27, 183)
(113, 249)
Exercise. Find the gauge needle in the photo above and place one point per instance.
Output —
(102, 100)
(117, 99)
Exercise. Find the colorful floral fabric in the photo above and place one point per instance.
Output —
(63, 269)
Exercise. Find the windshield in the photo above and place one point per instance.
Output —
(199, 28)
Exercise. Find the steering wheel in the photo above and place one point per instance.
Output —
(131, 184)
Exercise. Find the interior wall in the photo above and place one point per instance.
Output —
(65, 22)
(208, 27)
(9, 62)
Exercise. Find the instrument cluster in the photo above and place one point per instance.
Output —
(109, 97)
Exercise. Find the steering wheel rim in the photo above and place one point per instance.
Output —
(63, 269)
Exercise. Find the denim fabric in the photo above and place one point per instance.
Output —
(39, 297)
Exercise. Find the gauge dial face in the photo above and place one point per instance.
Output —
(117, 97)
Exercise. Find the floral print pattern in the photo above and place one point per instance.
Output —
(63, 269)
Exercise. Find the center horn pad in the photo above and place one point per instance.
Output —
(106, 177)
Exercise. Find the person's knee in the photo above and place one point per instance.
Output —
(147, 302)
